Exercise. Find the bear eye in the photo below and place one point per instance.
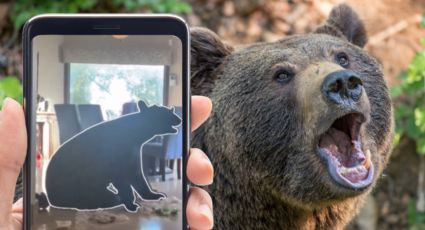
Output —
(342, 59)
(283, 76)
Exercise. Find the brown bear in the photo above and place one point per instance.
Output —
(301, 128)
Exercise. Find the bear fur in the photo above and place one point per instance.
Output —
(100, 168)
(263, 132)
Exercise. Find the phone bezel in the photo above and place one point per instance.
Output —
(99, 24)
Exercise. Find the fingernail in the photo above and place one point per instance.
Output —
(4, 106)
(205, 157)
(207, 162)
(205, 209)
(6, 103)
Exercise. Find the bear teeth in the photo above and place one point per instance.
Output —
(357, 170)
(367, 161)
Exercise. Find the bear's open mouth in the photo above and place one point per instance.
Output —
(341, 147)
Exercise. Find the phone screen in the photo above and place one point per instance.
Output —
(109, 140)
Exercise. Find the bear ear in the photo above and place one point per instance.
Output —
(345, 23)
(207, 53)
(142, 105)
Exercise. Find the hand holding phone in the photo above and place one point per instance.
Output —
(12, 155)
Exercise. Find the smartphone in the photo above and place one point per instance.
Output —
(107, 108)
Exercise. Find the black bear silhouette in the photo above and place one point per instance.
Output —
(101, 167)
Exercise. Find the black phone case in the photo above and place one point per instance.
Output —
(121, 135)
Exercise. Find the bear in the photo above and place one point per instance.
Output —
(301, 128)
(101, 168)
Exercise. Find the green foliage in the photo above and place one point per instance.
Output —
(80, 83)
(95, 83)
(23, 9)
(415, 219)
(10, 87)
(155, 6)
(409, 99)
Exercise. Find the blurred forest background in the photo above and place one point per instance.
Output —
(396, 31)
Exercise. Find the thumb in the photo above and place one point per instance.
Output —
(13, 145)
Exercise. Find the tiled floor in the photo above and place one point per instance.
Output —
(146, 218)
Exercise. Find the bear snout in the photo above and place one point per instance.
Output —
(343, 87)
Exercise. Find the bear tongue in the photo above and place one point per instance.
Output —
(339, 144)
(355, 174)
(357, 155)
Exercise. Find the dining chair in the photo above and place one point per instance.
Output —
(90, 114)
(68, 121)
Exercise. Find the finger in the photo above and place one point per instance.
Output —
(17, 214)
(17, 221)
(18, 206)
(201, 109)
(199, 210)
(12, 153)
(199, 168)
(12, 136)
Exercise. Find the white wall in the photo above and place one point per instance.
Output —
(51, 73)
(175, 93)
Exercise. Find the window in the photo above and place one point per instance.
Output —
(113, 85)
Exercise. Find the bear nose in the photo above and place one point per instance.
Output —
(343, 85)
